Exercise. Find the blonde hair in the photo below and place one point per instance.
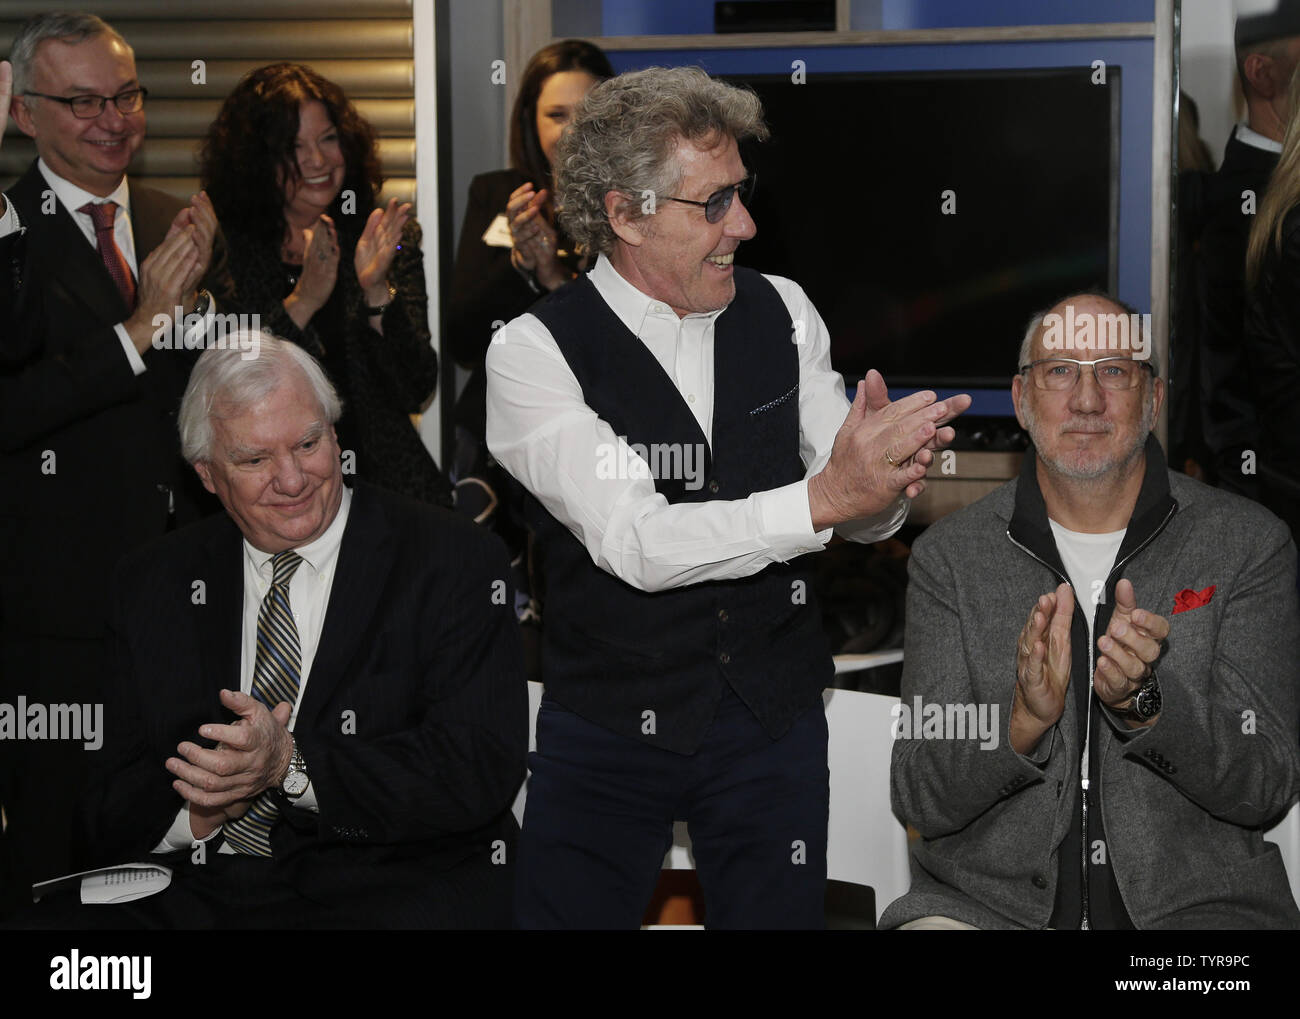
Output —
(1281, 196)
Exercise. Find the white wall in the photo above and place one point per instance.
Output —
(1208, 69)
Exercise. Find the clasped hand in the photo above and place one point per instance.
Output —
(251, 756)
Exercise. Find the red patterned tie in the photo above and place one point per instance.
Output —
(103, 215)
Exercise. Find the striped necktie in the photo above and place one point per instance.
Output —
(277, 674)
(103, 215)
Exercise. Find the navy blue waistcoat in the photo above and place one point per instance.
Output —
(653, 665)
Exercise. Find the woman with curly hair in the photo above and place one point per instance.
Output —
(294, 173)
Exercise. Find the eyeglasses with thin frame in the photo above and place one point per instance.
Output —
(89, 107)
(717, 204)
(1060, 373)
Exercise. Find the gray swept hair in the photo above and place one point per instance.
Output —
(623, 136)
(226, 380)
(73, 27)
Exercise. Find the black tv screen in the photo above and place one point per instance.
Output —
(851, 204)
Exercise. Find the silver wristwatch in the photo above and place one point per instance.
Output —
(296, 781)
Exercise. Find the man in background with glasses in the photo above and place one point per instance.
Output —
(677, 419)
(1137, 634)
(89, 466)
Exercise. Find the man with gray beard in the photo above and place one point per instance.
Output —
(1151, 627)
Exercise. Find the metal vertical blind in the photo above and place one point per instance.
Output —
(363, 45)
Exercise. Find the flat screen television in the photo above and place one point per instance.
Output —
(935, 289)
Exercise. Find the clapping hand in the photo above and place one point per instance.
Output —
(320, 265)
(882, 449)
(1132, 643)
(534, 237)
(252, 755)
(1042, 668)
(377, 248)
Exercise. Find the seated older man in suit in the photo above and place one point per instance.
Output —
(318, 713)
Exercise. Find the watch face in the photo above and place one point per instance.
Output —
(1148, 701)
(295, 783)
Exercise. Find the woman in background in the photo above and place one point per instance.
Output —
(1272, 328)
(512, 253)
(511, 250)
(294, 173)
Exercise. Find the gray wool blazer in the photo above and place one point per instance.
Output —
(1185, 801)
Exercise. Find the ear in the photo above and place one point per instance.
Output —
(1158, 395)
(1017, 387)
(204, 472)
(22, 116)
(1260, 73)
(627, 229)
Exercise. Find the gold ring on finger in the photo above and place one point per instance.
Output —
(891, 461)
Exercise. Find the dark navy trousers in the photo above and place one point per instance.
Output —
(600, 809)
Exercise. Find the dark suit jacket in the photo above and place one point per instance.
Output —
(382, 379)
(89, 453)
(1229, 416)
(1271, 360)
(416, 654)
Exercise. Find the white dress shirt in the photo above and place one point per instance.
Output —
(541, 430)
(73, 198)
(1257, 141)
(309, 596)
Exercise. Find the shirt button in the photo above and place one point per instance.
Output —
(724, 658)
(714, 486)
(722, 615)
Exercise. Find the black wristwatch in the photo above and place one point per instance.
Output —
(1146, 703)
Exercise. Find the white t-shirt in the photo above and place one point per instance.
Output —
(1088, 559)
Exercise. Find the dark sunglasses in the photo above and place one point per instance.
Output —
(717, 204)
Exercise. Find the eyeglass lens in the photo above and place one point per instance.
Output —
(720, 201)
(87, 107)
(1120, 373)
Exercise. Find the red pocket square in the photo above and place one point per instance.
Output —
(1189, 599)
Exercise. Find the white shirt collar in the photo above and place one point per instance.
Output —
(316, 554)
(1256, 140)
(74, 197)
(631, 305)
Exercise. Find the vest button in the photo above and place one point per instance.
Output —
(724, 658)
(722, 615)
(1040, 882)
(714, 486)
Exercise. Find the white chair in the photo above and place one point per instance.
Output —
(866, 844)
(1286, 834)
(534, 702)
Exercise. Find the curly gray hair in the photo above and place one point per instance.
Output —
(623, 136)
